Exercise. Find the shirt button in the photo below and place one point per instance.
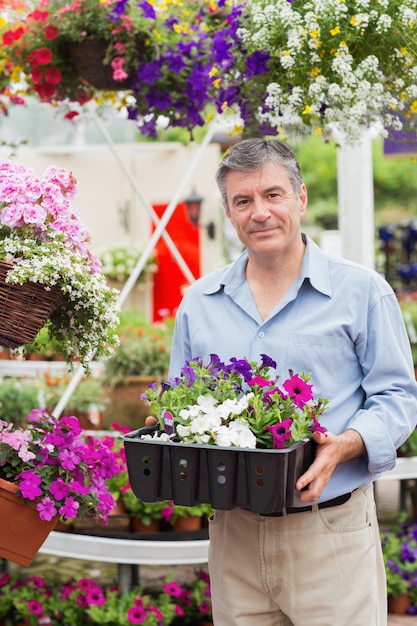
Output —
(261, 334)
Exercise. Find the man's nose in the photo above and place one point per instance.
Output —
(260, 210)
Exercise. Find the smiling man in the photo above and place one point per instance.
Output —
(320, 565)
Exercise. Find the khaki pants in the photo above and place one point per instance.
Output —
(318, 568)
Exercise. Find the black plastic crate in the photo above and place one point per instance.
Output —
(189, 474)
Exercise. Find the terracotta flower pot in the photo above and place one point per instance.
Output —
(189, 523)
(139, 527)
(22, 532)
(399, 604)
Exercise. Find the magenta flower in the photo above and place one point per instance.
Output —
(30, 485)
(281, 433)
(137, 614)
(298, 389)
(95, 595)
(173, 589)
(46, 509)
(35, 607)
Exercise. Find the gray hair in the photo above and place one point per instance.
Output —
(249, 155)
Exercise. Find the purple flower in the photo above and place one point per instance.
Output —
(281, 432)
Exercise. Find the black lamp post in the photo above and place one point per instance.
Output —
(193, 203)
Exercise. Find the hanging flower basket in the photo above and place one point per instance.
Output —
(259, 480)
(22, 531)
(24, 309)
(88, 59)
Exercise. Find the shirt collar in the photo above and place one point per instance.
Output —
(314, 267)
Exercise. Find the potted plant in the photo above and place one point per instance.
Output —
(118, 262)
(48, 469)
(141, 358)
(187, 518)
(399, 547)
(86, 402)
(145, 516)
(44, 244)
(164, 54)
(17, 398)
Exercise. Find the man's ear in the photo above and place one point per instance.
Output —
(303, 197)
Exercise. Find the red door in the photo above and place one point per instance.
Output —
(169, 281)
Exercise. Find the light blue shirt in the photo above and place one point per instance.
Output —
(339, 321)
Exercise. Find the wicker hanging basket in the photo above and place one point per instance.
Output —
(88, 58)
(24, 309)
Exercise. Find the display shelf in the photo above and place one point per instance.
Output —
(405, 469)
(128, 554)
(125, 551)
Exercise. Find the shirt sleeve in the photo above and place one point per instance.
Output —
(389, 412)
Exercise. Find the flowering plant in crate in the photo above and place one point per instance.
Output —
(53, 463)
(236, 404)
(44, 240)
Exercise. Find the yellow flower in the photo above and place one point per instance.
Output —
(213, 71)
(413, 107)
(307, 110)
(335, 31)
(354, 20)
(216, 83)
(287, 53)
(315, 71)
(318, 131)
(403, 50)
(315, 33)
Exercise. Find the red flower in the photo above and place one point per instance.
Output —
(51, 32)
(10, 36)
(41, 56)
(53, 76)
(36, 75)
(38, 16)
(45, 91)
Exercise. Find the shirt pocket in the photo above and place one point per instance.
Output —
(326, 357)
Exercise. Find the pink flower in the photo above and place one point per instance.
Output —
(298, 389)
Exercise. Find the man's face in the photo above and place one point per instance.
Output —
(264, 209)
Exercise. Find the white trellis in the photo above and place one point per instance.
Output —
(160, 231)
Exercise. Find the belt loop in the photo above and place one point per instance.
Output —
(315, 508)
(284, 512)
